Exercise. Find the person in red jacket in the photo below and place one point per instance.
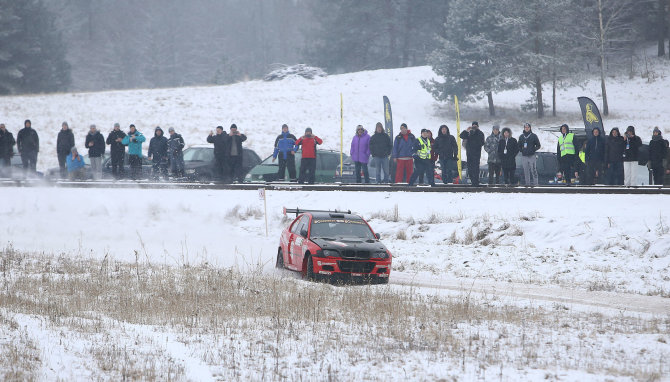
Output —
(308, 161)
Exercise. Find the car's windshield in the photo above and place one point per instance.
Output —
(340, 228)
(201, 154)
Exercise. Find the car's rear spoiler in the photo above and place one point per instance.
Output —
(298, 211)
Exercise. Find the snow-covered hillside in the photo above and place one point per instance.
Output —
(260, 108)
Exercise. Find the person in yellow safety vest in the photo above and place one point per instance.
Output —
(566, 153)
(580, 166)
(422, 163)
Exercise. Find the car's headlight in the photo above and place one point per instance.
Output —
(329, 253)
(381, 255)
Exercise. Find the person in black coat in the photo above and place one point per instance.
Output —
(630, 156)
(158, 154)
(221, 147)
(175, 154)
(475, 140)
(64, 145)
(529, 143)
(117, 150)
(95, 143)
(446, 149)
(658, 148)
(28, 143)
(380, 149)
(595, 157)
(235, 154)
(614, 149)
(508, 148)
(7, 143)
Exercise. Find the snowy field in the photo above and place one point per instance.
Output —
(484, 286)
(260, 108)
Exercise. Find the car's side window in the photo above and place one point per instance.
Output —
(298, 225)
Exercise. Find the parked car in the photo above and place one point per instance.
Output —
(327, 167)
(17, 168)
(547, 167)
(349, 176)
(333, 245)
(54, 172)
(199, 162)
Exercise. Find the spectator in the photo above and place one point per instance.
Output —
(118, 150)
(308, 161)
(7, 143)
(614, 157)
(28, 143)
(658, 148)
(594, 155)
(433, 158)
(360, 153)
(630, 156)
(580, 164)
(75, 165)
(565, 150)
(380, 149)
(284, 145)
(221, 147)
(491, 147)
(175, 154)
(134, 141)
(64, 145)
(403, 146)
(236, 154)
(528, 145)
(474, 141)
(507, 151)
(447, 150)
(95, 143)
(666, 178)
(422, 149)
(158, 154)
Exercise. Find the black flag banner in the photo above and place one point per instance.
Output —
(591, 115)
(388, 117)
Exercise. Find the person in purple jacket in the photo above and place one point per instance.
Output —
(360, 153)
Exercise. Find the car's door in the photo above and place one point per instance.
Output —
(295, 241)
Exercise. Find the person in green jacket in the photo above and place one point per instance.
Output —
(134, 141)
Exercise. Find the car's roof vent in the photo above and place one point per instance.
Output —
(337, 216)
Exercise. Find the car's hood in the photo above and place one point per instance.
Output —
(350, 244)
(263, 169)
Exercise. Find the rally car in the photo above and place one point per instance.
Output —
(333, 245)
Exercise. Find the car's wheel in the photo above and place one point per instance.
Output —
(309, 269)
(382, 280)
(280, 259)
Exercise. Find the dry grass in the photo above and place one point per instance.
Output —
(257, 326)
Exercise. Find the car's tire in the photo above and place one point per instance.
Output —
(280, 259)
(309, 270)
(382, 280)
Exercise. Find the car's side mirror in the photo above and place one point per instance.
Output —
(378, 236)
(303, 232)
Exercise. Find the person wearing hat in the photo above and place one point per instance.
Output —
(28, 144)
(175, 154)
(566, 152)
(360, 153)
(474, 141)
(235, 154)
(221, 147)
(7, 143)
(134, 140)
(284, 144)
(529, 143)
(95, 143)
(631, 153)
(658, 148)
(64, 143)
(158, 154)
(493, 161)
(308, 143)
(117, 149)
(403, 154)
(75, 165)
(422, 159)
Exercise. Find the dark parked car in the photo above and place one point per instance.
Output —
(54, 172)
(199, 162)
(17, 169)
(327, 167)
(349, 176)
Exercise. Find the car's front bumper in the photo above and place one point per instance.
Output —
(352, 268)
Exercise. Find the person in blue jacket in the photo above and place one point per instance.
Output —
(75, 165)
(134, 141)
(403, 150)
(284, 148)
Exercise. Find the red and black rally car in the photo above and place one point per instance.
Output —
(333, 245)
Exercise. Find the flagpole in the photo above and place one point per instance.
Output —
(341, 133)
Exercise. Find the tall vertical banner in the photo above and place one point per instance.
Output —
(458, 139)
(591, 115)
(388, 127)
(341, 132)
